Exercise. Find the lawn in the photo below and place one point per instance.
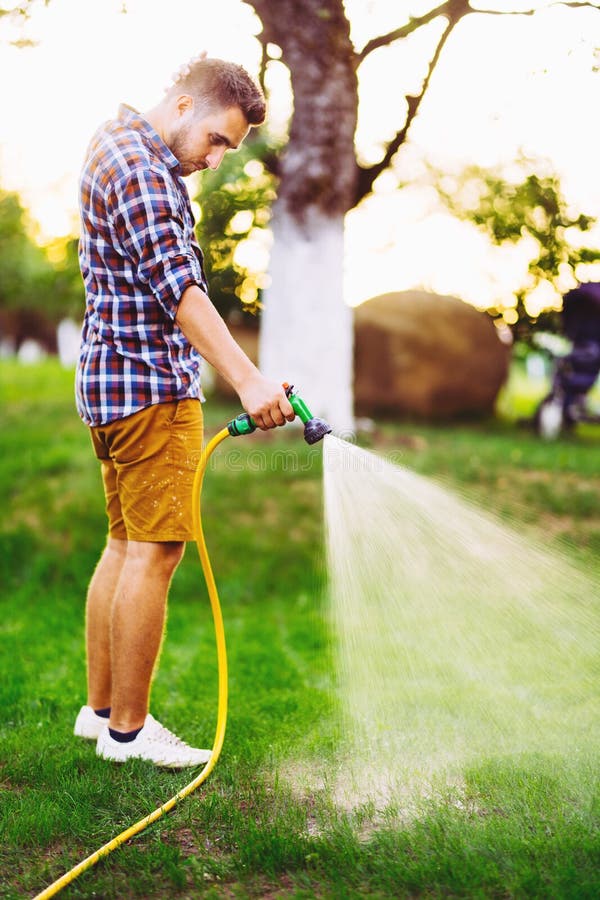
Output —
(522, 827)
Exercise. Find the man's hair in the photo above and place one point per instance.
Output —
(217, 84)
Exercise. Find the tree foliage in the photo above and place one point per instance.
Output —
(532, 210)
(36, 291)
(235, 210)
(21, 262)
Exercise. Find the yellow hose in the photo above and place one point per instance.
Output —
(130, 832)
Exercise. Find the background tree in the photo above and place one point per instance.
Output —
(234, 212)
(306, 331)
(36, 291)
(535, 212)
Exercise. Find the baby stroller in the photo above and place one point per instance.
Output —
(574, 374)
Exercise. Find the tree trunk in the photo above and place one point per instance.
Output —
(306, 330)
(306, 333)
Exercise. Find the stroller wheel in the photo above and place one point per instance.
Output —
(550, 418)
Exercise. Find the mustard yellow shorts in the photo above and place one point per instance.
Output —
(148, 463)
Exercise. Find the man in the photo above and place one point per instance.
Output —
(148, 324)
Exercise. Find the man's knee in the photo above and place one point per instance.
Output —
(161, 556)
(116, 548)
(171, 552)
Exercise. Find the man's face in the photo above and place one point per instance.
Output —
(201, 143)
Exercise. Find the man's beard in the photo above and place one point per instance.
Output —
(179, 147)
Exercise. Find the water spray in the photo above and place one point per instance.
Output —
(315, 430)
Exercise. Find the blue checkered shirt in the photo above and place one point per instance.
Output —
(137, 254)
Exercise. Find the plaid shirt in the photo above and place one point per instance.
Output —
(137, 255)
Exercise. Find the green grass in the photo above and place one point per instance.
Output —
(521, 827)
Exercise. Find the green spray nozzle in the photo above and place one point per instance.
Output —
(298, 404)
(315, 429)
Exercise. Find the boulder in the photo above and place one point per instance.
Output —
(425, 355)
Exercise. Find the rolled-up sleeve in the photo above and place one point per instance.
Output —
(148, 222)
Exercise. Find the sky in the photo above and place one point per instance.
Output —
(505, 85)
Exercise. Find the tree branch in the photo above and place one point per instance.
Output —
(455, 10)
(367, 177)
(264, 59)
(573, 4)
(412, 25)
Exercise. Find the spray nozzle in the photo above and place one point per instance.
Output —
(315, 429)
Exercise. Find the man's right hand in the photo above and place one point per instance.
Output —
(266, 402)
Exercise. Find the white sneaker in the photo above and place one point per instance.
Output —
(88, 725)
(154, 743)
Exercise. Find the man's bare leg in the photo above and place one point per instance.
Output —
(137, 626)
(100, 598)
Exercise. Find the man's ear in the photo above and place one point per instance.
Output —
(184, 103)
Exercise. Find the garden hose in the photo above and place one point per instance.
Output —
(130, 832)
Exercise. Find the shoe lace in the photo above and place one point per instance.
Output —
(162, 735)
